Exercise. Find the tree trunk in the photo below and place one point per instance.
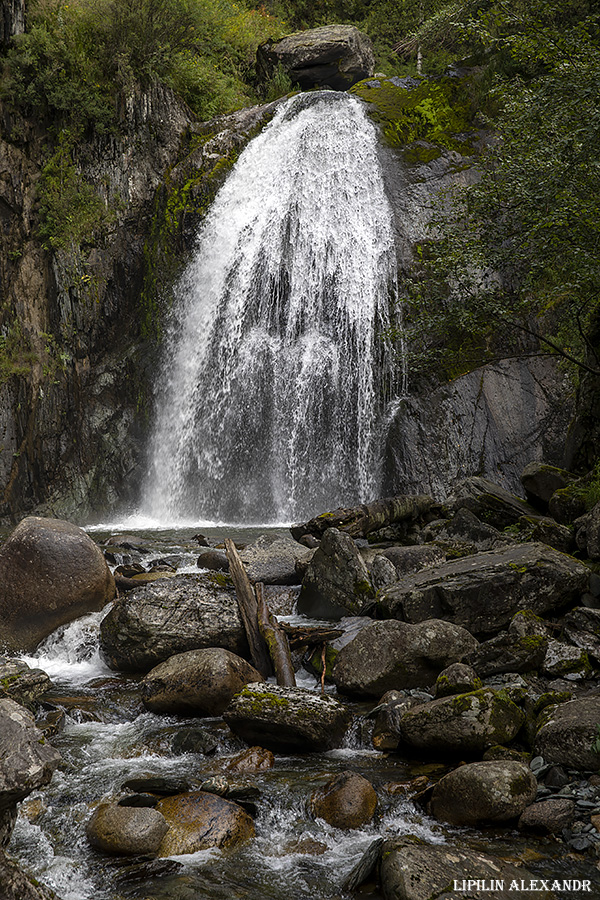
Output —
(276, 640)
(248, 610)
(358, 521)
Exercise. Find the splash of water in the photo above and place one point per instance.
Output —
(272, 402)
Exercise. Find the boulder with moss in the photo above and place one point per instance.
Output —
(568, 734)
(337, 581)
(200, 821)
(484, 793)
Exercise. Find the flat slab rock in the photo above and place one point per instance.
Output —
(287, 719)
(483, 592)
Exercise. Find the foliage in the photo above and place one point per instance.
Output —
(16, 353)
(519, 249)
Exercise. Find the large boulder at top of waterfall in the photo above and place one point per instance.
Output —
(413, 869)
(187, 612)
(26, 762)
(51, 572)
(335, 56)
(272, 559)
(462, 724)
(287, 719)
(394, 655)
(199, 821)
(483, 592)
(126, 830)
(199, 682)
(348, 800)
(484, 792)
(337, 580)
(490, 502)
(568, 733)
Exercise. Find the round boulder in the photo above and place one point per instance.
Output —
(347, 801)
(51, 572)
(568, 732)
(481, 792)
(199, 821)
(126, 830)
(548, 816)
(458, 678)
(199, 682)
(392, 655)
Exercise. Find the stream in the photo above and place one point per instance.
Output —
(109, 738)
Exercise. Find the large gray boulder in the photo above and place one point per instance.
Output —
(51, 572)
(484, 793)
(414, 870)
(287, 719)
(200, 821)
(568, 734)
(335, 56)
(541, 481)
(26, 762)
(490, 502)
(272, 559)
(337, 580)
(126, 830)
(199, 682)
(462, 724)
(348, 800)
(483, 592)
(393, 655)
(187, 612)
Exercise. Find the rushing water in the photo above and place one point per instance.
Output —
(277, 375)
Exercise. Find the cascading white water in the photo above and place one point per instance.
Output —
(272, 400)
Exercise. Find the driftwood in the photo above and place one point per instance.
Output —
(359, 521)
(299, 636)
(276, 640)
(248, 610)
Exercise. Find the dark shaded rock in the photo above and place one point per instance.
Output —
(567, 733)
(582, 628)
(139, 801)
(215, 560)
(393, 655)
(337, 580)
(272, 559)
(407, 560)
(382, 572)
(347, 801)
(194, 740)
(20, 683)
(199, 682)
(255, 759)
(484, 792)
(335, 56)
(284, 719)
(509, 653)
(458, 678)
(199, 821)
(541, 481)
(126, 830)
(548, 531)
(490, 502)
(129, 542)
(17, 885)
(463, 723)
(548, 816)
(483, 592)
(364, 867)
(414, 870)
(170, 616)
(155, 784)
(51, 572)
(465, 527)
(567, 504)
(389, 712)
(26, 762)
(587, 532)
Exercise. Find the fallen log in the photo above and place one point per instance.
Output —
(248, 610)
(359, 521)
(276, 640)
(300, 636)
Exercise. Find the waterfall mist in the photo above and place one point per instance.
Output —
(277, 375)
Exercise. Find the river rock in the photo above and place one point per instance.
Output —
(389, 712)
(491, 503)
(484, 792)
(198, 682)
(567, 733)
(393, 655)
(509, 653)
(254, 759)
(287, 719)
(458, 678)
(26, 762)
(272, 559)
(548, 816)
(335, 56)
(214, 560)
(412, 869)
(51, 572)
(17, 885)
(407, 560)
(22, 684)
(582, 628)
(526, 576)
(126, 830)
(464, 723)
(347, 801)
(587, 533)
(159, 620)
(199, 821)
(337, 580)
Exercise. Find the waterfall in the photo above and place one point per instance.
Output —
(271, 404)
